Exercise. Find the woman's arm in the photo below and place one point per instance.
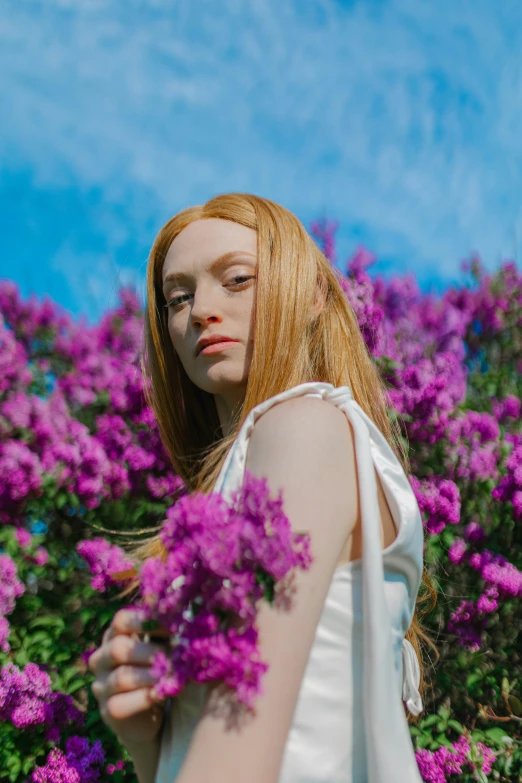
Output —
(145, 757)
(304, 447)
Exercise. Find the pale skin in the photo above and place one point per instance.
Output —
(304, 447)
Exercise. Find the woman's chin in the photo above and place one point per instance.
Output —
(219, 379)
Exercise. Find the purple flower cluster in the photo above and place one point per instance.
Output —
(502, 581)
(509, 488)
(14, 372)
(324, 232)
(427, 393)
(27, 701)
(444, 763)
(23, 537)
(104, 559)
(112, 768)
(506, 409)
(41, 436)
(81, 763)
(32, 318)
(21, 473)
(439, 501)
(358, 288)
(499, 296)
(472, 452)
(221, 561)
(11, 588)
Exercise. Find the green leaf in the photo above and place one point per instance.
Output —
(454, 724)
(40, 639)
(28, 764)
(444, 712)
(46, 622)
(515, 704)
(15, 765)
(498, 735)
(431, 720)
(76, 686)
(60, 500)
(473, 678)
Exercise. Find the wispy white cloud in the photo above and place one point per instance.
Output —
(402, 117)
(94, 279)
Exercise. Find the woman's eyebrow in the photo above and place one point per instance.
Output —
(221, 261)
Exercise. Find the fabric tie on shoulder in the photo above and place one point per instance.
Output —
(337, 394)
(411, 679)
(411, 669)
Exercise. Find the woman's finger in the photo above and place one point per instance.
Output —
(125, 621)
(125, 705)
(124, 650)
(129, 678)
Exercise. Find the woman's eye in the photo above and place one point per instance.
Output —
(237, 280)
(176, 300)
(240, 277)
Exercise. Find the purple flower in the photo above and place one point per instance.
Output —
(112, 768)
(439, 501)
(20, 476)
(437, 766)
(26, 700)
(23, 537)
(14, 372)
(467, 623)
(104, 560)
(475, 533)
(11, 588)
(509, 408)
(41, 556)
(221, 560)
(427, 391)
(81, 763)
(510, 486)
(457, 550)
(497, 571)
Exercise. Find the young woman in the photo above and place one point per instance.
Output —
(257, 362)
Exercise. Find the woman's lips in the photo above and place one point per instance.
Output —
(216, 347)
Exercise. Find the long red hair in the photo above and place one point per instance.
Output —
(289, 349)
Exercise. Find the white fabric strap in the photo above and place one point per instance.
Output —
(411, 679)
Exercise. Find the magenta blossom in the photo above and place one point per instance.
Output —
(103, 559)
(221, 560)
(27, 701)
(81, 763)
(11, 588)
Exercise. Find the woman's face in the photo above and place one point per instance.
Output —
(209, 283)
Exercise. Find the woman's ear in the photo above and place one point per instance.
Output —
(321, 292)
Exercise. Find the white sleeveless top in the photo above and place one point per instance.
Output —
(349, 724)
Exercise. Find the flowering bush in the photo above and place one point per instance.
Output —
(80, 454)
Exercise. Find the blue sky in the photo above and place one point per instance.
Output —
(401, 119)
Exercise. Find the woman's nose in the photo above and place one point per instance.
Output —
(204, 308)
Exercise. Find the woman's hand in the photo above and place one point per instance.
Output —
(123, 681)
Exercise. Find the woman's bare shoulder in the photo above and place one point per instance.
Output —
(303, 428)
(311, 413)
